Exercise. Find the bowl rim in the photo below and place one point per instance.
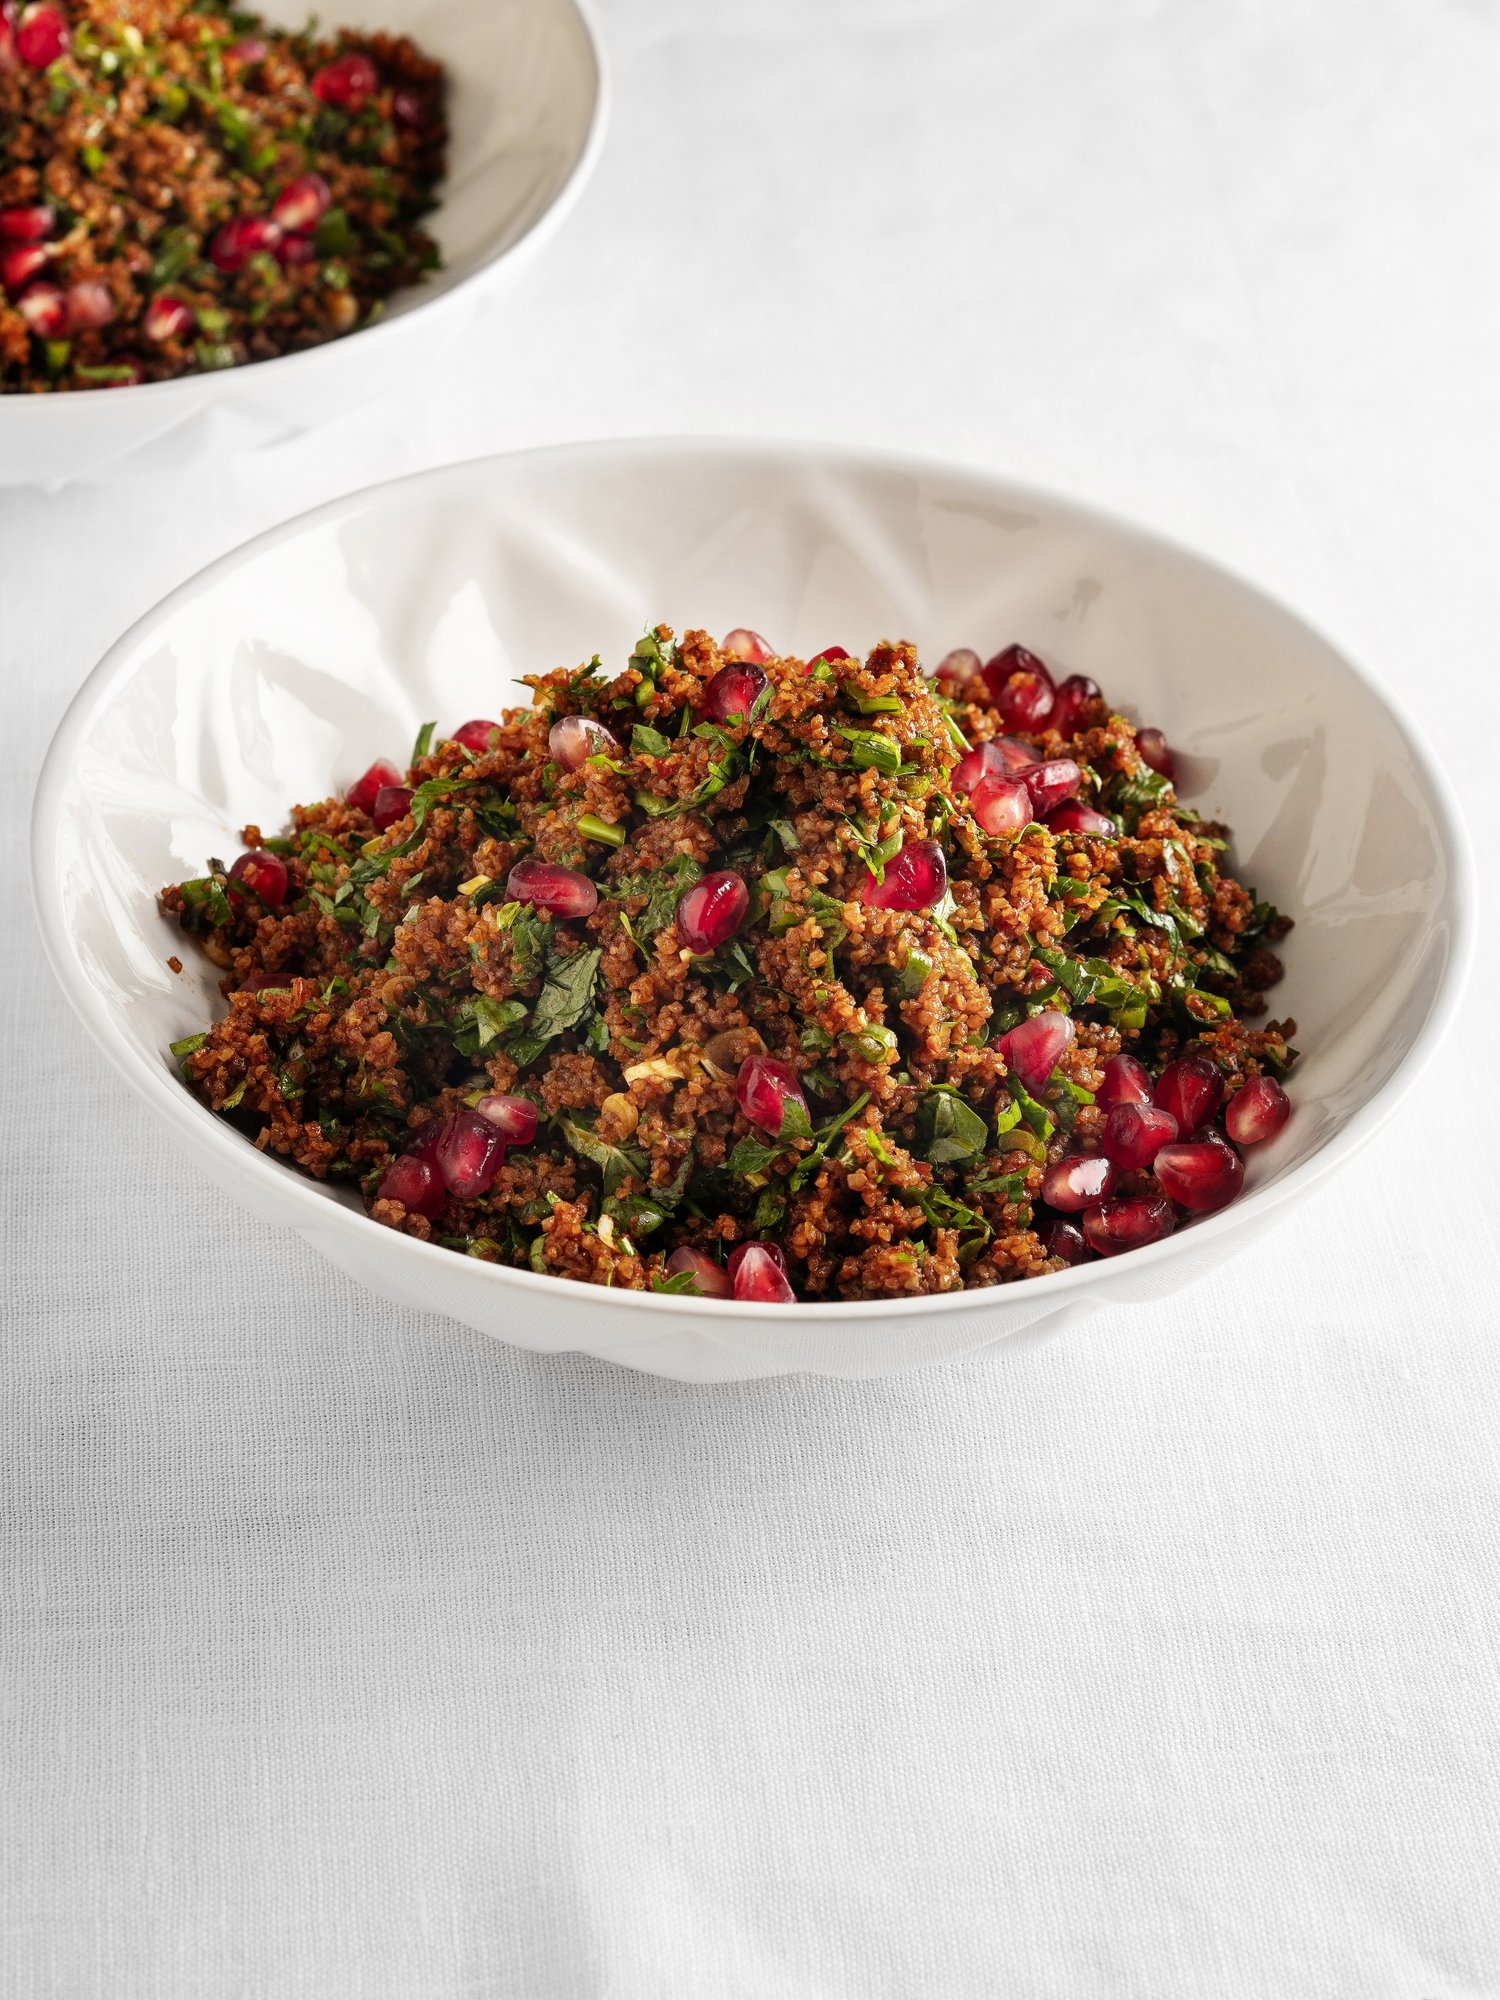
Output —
(286, 1188)
(204, 384)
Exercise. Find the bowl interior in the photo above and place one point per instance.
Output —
(280, 673)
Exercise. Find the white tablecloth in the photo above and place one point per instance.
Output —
(345, 1653)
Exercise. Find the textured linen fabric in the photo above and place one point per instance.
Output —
(343, 1652)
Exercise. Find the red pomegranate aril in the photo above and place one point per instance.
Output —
(1155, 750)
(760, 1280)
(44, 308)
(573, 739)
(1073, 816)
(564, 892)
(1073, 696)
(1257, 1111)
(392, 802)
(414, 1182)
(1001, 805)
(514, 1118)
(90, 304)
(982, 762)
(1192, 1089)
(1052, 782)
(1130, 1224)
(737, 1256)
(20, 263)
(733, 690)
(1021, 688)
(1135, 1133)
(1201, 1174)
(302, 203)
(262, 872)
(469, 1154)
(829, 656)
(712, 1280)
(362, 793)
(345, 82)
(26, 223)
(915, 879)
(763, 1090)
(248, 52)
(1078, 1182)
(236, 241)
(475, 736)
(166, 318)
(41, 36)
(293, 251)
(957, 669)
(1033, 1048)
(712, 910)
(409, 110)
(1125, 1081)
(746, 646)
(1065, 1240)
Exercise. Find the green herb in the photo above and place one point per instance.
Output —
(566, 995)
(648, 742)
(616, 1164)
(423, 744)
(951, 1129)
(682, 1283)
(594, 828)
(913, 975)
(752, 1156)
(482, 1020)
(875, 704)
(333, 236)
(188, 1046)
(870, 751)
(873, 1042)
(823, 1138)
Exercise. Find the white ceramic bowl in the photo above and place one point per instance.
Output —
(526, 110)
(280, 672)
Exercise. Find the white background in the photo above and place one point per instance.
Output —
(343, 1652)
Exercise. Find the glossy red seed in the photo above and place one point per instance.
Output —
(1257, 1111)
(475, 736)
(514, 1118)
(1001, 805)
(573, 739)
(41, 36)
(302, 203)
(470, 1152)
(915, 879)
(760, 1279)
(712, 1279)
(1201, 1174)
(985, 761)
(763, 1090)
(262, 872)
(44, 308)
(166, 318)
(1016, 755)
(345, 82)
(90, 304)
(1073, 696)
(392, 802)
(565, 892)
(249, 51)
(1033, 1048)
(1130, 1224)
(737, 1255)
(1154, 748)
(712, 910)
(292, 251)
(409, 110)
(414, 1182)
(1052, 782)
(829, 656)
(744, 645)
(1135, 1133)
(1021, 688)
(26, 223)
(733, 690)
(1073, 816)
(1078, 1182)
(361, 794)
(956, 669)
(236, 241)
(1125, 1081)
(1192, 1089)
(1065, 1240)
(20, 262)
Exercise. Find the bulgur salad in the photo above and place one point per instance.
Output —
(184, 189)
(742, 975)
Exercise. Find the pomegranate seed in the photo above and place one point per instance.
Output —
(733, 690)
(828, 656)
(915, 879)
(1075, 693)
(425, 1144)
(302, 203)
(20, 262)
(90, 304)
(293, 251)
(44, 308)
(1154, 749)
(1202, 1174)
(746, 646)
(345, 82)
(1135, 1133)
(166, 318)
(1073, 816)
(957, 668)
(1192, 1089)
(41, 36)
(564, 892)
(1078, 1182)
(409, 110)
(986, 761)
(1126, 1081)
(28, 224)
(262, 872)
(248, 52)
(1116, 1226)
(712, 1279)
(514, 1118)
(1033, 1048)
(236, 241)
(712, 910)
(470, 1153)
(1021, 688)
(1052, 782)
(415, 1183)
(1001, 805)
(737, 1256)
(475, 736)
(1016, 755)
(1065, 1240)
(392, 802)
(573, 739)
(763, 1090)
(1257, 1111)
(361, 794)
(761, 1279)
